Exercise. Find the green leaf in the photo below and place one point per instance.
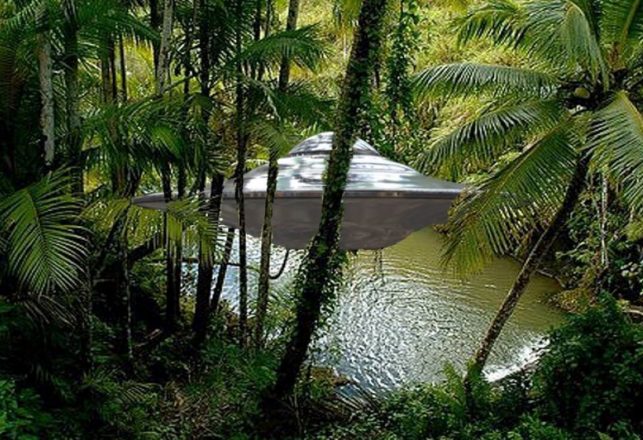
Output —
(622, 22)
(44, 248)
(494, 219)
(616, 136)
(481, 140)
(470, 78)
(579, 39)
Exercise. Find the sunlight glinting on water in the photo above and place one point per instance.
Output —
(400, 318)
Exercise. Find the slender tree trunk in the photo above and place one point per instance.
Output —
(155, 23)
(531, 264)
(263, 293)
(204, 52)
(323, 260)
(116, 273)
(269, 15)
(70, 35)
(223, 268)
(172, 295)
(241, 168)
(204, 279)
(122, 63)
(45, 74)
(113, 80)
(126, 301)
(172, 256)
(291, 25)
(164, 48)
(203, 306)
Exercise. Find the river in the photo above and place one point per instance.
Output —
(400, 318)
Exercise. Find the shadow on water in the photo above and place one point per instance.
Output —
(400, 318)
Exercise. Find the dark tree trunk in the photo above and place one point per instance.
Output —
(122, 63)
(291, 25)
(172, 295)
(113, 80)
(531, 264)
(74, 143)
(241, 168)
(263, 291)
(204, 278)
(204, 52)
(223, 268)
(155, 23)
(323, 260)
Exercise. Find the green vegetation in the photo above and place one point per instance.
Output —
(112, 318)
(586, 385)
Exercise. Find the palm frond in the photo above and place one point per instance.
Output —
(616, 136)
(580, 40)
(528, 26)
(275, 135)
(303, 47)
(187, 221)
(489, 135)
(622, 22)
(470, 78)
(493, 219)
(502, 21)
(100, 18)
(44, 247)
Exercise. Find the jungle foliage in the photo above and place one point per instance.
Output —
(113, 321)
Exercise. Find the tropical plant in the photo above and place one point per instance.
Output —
(572, 107)
(590, 377)
(42, 241)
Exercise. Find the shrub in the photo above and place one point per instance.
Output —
(592, 375)
(21, 416)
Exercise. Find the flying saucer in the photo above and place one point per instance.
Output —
(384, 201)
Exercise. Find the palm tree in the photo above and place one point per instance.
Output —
(575, 107)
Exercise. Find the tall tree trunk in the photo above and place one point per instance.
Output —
(291, 25)
(155, 23)
(203, 308)
(113, 80)
(114, 272)
(323, 260)
(241, 168)
(269, 16)
(126, 302)
(45, 75)
(531, 264)
(172, 255)
(223, 268)
(172, 295)
(164, 47)
(204, 278)
(122, 64)
(70, 35)
(263, 291)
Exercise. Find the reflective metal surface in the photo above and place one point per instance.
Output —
(370, 175)
(384, 201)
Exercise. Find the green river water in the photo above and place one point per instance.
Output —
(400, 317)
